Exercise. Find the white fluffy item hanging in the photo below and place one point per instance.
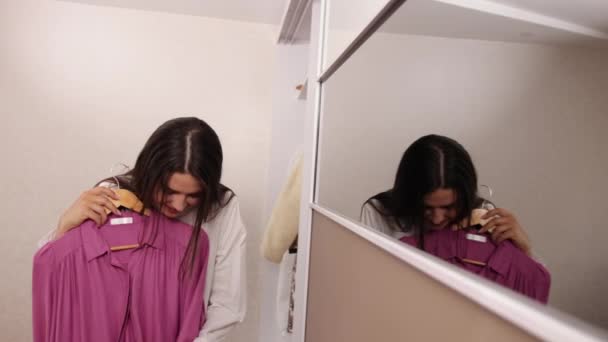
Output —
(282, 229)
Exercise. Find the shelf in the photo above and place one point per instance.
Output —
(494, 21)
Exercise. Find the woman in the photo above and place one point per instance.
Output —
(178, 174)
(436, 188)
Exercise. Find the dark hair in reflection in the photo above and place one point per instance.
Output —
(430, 163)
(184, 145)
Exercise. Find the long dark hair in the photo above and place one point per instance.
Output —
(184, 145)
(430, 163)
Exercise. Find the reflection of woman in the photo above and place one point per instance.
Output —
(178, 174)
(436, 188)
(434, 194)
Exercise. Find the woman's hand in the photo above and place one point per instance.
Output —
(92, 205)
(504, 226)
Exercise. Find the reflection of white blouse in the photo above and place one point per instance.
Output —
(225, 287)
(372, 218)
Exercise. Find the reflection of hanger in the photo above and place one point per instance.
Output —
(476, 222)
(474, 262)
(475, 237)
(476, 219)
(474, 227)
(127, 200)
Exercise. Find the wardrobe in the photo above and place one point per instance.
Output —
(355, 284)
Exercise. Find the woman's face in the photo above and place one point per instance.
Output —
(439, 208)
(182, 194)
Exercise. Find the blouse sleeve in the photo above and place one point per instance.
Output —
(44, 290)
(228, 295)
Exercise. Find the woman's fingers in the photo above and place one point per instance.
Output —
(496, 232)
(493, 223)
(93, 215)
(100, 213)
(101, 190)
(91, 204)
(496, 212)
(107, 203)
(503, 225)
(505, 235)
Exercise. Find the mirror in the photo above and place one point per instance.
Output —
(527, 101)
(345, 20)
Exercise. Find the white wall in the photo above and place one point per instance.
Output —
(287, 137)
(533, 117)
(82, 87)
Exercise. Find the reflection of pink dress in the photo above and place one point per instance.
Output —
(505, 263)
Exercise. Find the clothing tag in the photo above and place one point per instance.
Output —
(478, 238)
(121, 220)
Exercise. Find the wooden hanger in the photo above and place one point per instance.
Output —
(128, 200)
(476, 222)
(123, 247)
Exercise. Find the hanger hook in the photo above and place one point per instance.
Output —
(490, 191)
(486, 204)
(124, 169)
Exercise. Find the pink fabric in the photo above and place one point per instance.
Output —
(505, 263)
(83, 291)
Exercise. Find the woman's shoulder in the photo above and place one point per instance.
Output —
(228, 206)
(372, 207)
(373, 203)
(226, 225)
(55, 251)
(226, 214)
(372, 216)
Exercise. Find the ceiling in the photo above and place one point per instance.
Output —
(258, 11)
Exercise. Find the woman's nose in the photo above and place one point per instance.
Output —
(437, 217)
(179, 203)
